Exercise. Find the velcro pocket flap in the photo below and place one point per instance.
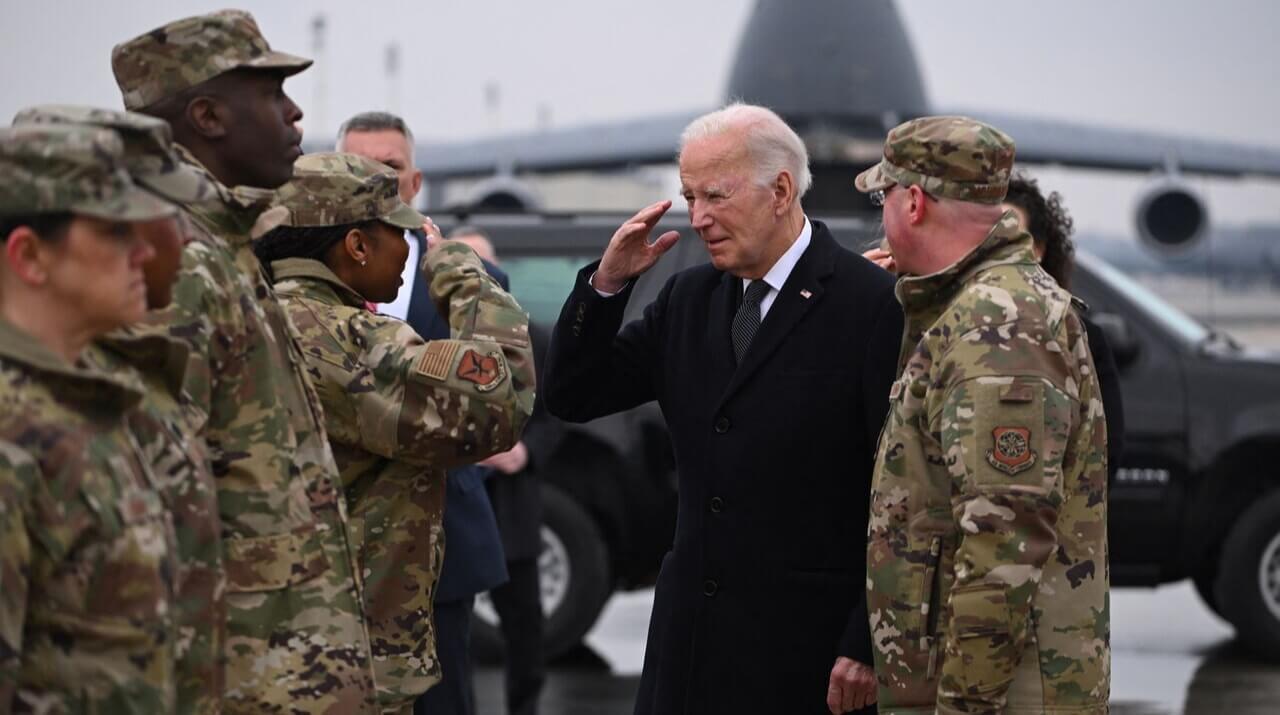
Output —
(1008, 433)
(274, 561)
(981, 656)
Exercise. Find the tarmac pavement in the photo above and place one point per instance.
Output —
(1170, 656)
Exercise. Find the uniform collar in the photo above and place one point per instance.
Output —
(309, 269)
(232, 211)
(71, 383)
(1005, 244)
(152, 353)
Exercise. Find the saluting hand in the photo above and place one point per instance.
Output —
(432, 231)
(629, 252)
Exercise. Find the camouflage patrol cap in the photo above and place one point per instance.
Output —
(186, 52)
(149, 156)
(72, 168)
(956, 157)
(334, 189)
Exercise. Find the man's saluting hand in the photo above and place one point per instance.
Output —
(629, 252)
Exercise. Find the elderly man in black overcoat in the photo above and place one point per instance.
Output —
(772, 366)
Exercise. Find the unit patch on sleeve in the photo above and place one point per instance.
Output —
(1011, 449)
(485, 370)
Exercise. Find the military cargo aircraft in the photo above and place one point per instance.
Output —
(857, 77)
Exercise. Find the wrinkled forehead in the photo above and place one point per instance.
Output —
(714, 162)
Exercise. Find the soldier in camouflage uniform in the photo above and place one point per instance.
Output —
(88, 554)
(297, 639)
(987, 558)
(177, 455)
(398, 410)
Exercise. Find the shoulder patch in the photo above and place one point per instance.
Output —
(1011, 450)
(436, 359)
(483, 369)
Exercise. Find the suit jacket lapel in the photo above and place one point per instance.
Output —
(803, 290)
(422, 314)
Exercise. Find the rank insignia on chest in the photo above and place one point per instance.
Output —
(485, 370)
(1011, 450)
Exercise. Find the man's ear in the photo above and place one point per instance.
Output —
(26, 256)
(417, 184)
(208, 116)
(917, 201)
(784, 192)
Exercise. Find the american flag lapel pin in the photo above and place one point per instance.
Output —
(804, 293)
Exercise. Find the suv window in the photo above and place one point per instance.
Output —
(1172, 319)
(541, 283)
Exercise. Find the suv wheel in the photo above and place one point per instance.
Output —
(1248, 587)
(573, 573)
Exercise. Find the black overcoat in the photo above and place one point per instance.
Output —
(765, 581)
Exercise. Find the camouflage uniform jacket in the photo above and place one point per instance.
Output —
(399, 411)
(87, 545)
(987, 564)
(180, 463)
(296, 636)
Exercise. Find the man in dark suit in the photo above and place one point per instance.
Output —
(473, 557)
(515, 492)
(473, 560)
(772, 366)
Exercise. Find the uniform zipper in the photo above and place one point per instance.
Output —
(931, 617)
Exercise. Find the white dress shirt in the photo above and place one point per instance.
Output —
(777, 276)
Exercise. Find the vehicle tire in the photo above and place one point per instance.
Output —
(1248, 586)
(573, 571)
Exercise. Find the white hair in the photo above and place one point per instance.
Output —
(771, 145)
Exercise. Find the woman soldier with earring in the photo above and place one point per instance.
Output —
(398, 410)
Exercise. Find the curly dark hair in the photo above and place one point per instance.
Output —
(301, 242)
(1048, 223)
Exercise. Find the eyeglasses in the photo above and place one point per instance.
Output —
(878, 197)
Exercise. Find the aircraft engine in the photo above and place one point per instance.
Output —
(1171, 216)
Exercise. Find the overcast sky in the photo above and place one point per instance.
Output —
(1183, 66)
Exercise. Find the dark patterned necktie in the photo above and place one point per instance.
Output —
(747, 320)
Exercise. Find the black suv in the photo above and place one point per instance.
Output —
(1197, 494)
